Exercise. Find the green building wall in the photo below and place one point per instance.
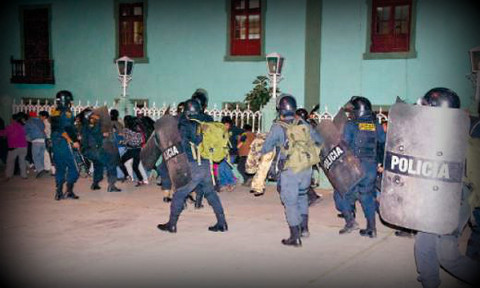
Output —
(445, 32)
(186, 46)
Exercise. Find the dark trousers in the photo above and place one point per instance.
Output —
(201, 180)
(162, 172)
(102, 160)
(129, 154)
(242, 161)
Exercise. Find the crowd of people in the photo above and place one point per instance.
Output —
(98, 145)
(98, 139)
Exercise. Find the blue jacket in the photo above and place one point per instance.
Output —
(35, 129)
(365, 136)
(62, 122)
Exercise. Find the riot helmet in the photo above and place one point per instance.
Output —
(361, 106)
(286, 105)
(192, 107)
(302, 113)
(440, 97)
(64, 99)
(201, 96)
(114, 114)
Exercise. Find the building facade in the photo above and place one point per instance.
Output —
(380, 49)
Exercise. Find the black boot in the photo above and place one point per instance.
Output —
(170, 226)
(304, 226)
(350, 225)
(59, 192)
(313, 197)
(70, 193)
(221, 225)
(294, 239)
(113, 188)
(95, 186)
(198, 201)
(371, 231)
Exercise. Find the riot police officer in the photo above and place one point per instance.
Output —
(93, 149)
(201, 178)
(363, 135)
(64, 137)
(432, 250)
(313, 197)
(293, 186)
(201, 96)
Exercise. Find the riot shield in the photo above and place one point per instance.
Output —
(340, 119)
(150, 152)
(109, 145)
(105, 121)
(170, 143)
(337, 160)
(424, 163)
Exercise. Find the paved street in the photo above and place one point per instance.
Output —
(111, 240)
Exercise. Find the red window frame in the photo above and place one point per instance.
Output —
(131, 29)
(246, 37)
(391, 34)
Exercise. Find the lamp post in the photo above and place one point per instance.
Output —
(274, 65)
(125, 69)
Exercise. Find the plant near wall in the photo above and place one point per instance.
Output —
(260, 94)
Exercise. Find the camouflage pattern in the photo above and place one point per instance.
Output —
(258, 181)
(253, 158)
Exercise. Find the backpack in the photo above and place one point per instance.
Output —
(214, 146)
(300, 149)
(215, 143)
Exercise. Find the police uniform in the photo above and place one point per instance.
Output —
(293, 186)
(63, 133)
(93, 149)
(362, 135)
(433, 251)
(201, 177)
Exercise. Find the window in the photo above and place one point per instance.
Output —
(246, 28)
(391, 26)
(36, 67)
(131, 30)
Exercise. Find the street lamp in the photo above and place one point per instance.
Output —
(274, 66)
(125, 69)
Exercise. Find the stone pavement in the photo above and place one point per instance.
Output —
(111, 240)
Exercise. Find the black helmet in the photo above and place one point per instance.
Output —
(180, 107)
(192, 107)
(302, 113)
(361, 106)
(286, 105)
(64, 98)
(441, 97)
(114, 114)
(201, 95)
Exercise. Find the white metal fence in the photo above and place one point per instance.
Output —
(239, 116)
